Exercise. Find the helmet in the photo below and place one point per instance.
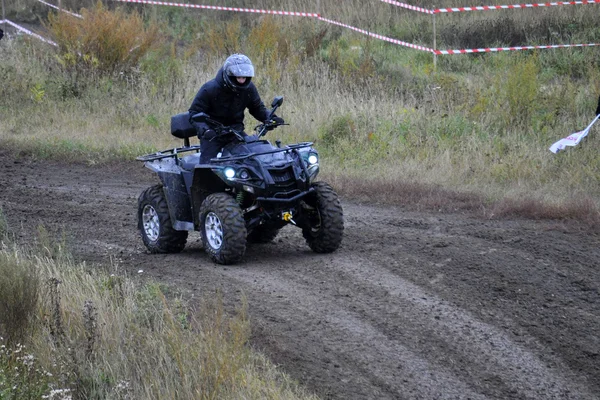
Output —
(237, 65)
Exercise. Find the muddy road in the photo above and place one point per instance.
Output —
(412, 306)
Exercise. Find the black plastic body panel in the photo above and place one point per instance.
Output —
(178, 199)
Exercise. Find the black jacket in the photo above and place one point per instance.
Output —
(226, 106)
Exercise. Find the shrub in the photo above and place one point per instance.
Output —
(103, 40)
(222, 38)
(341, 127)
(522, 89)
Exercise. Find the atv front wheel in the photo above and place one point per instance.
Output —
(325, 219)
(223, 228)
(154, 223)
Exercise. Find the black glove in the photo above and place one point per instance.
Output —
(277, 120)
(209, 134)
(274, 122)
(204, 131)
(598, 108)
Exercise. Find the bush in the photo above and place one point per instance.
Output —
(522, 89)
(103, 40)
(341, 127)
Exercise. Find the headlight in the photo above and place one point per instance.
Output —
(229, 172)
(313, 159)
(243, 174)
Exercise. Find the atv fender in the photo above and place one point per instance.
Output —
(203, 183)
(180, 208)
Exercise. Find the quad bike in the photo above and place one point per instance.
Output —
(246, 194)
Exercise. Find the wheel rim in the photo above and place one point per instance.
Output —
(150, 222)
(213, 230)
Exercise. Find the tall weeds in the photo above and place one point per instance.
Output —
(20, 285)
(70, 331)
(481, 122)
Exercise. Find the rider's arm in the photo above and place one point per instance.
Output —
(256, 106)
(200, 104)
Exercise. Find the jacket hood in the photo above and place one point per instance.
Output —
(219, 78)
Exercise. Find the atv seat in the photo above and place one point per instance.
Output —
(181, 127)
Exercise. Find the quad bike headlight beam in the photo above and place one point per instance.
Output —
(229, 172)
(313, 159)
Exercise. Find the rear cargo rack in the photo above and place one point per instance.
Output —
(159, 155)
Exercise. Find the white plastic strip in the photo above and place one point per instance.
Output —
(409, 7)
(573, 139)
(28, 32)
(498, 49)
(377, 36)
(248, 10)
(60, 9)
(512, 6)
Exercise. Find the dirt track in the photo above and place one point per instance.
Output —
(413, 305)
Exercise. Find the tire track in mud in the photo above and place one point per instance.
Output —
(412, 306)
(410, 332)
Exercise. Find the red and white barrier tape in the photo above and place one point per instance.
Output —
(487, 8)
(377, 36)
(408, 6)
(498, 49)
(60, 9)
(512, 6)
(28, 32)
(248, 10)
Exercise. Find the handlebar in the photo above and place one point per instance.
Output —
(261, 129)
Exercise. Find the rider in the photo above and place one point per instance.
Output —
(224, 99)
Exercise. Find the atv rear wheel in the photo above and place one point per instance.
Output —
(223, 228)
(325, 221)
(263, 234)
(154, 223)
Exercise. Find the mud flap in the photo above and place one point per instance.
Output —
(178, 200)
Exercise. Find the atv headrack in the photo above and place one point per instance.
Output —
(293, 147)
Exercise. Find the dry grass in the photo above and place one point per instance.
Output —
(98, 334)
(379, 115)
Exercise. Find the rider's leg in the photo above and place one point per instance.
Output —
(209, 149)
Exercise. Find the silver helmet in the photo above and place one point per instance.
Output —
(237, 65)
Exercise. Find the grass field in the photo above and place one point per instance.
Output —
(379, 113)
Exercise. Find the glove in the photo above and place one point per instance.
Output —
(275, 121)
(278, 120)
(209, 134)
